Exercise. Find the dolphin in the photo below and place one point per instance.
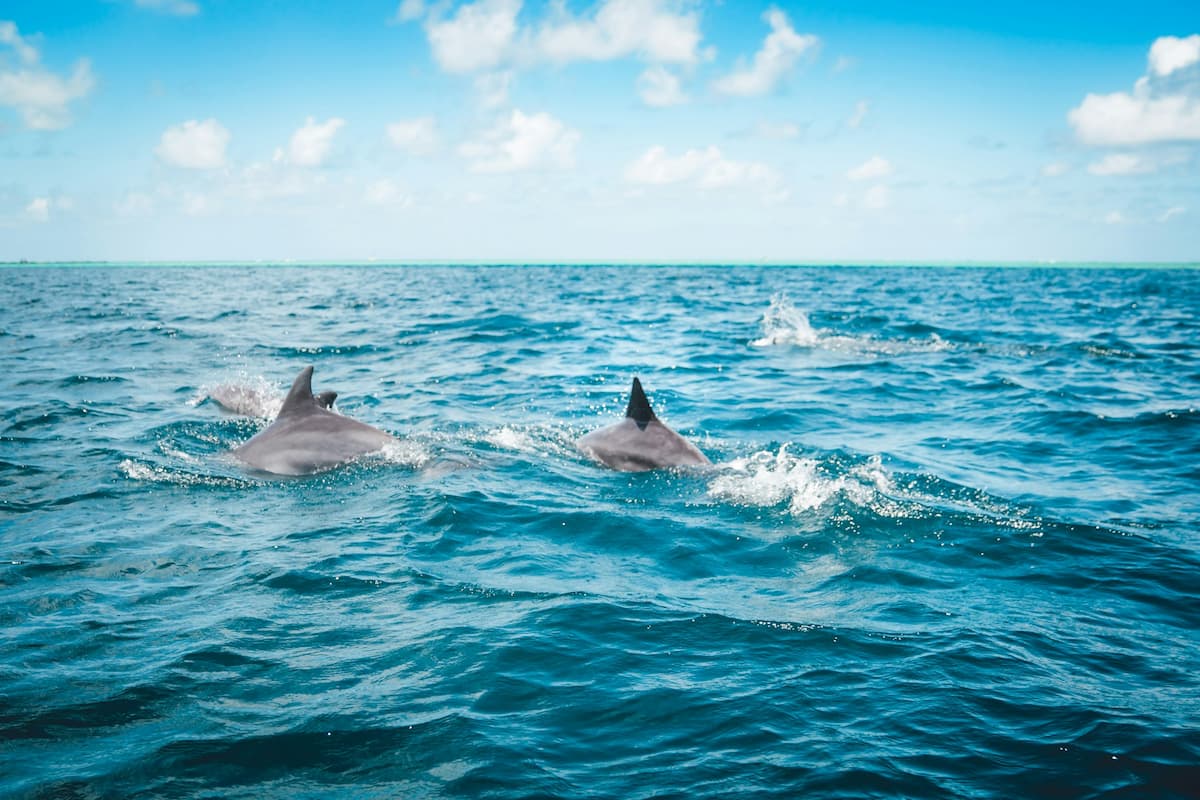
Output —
(307, 437)
(640, 442)
(246, 401)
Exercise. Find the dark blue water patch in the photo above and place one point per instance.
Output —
(946, 548)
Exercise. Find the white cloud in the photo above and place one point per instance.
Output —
(860, 113)
(10, 36)
(40, 96)
(844, 63)
(1170, 53)
(706, 169)
(1157, 110)
(194, 145)
(38, 209)
(1055, 169)
(1114, 218)
(660, 88)
(1171, 213)
(416, 137)
(180, 8)
(873, 167)
(479, 36)
(780, 51)
(877, 197)
(522, 142)
(1120, 164)
(409, 10)
(620, 28)
(386, 192)
(311, 143)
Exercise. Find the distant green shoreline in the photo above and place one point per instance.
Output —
(691, 264)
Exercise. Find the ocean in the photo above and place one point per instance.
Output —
(948, 546)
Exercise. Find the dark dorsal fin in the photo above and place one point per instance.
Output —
(300, 397)
(325, 399)
(639, 407)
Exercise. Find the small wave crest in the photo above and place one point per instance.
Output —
(768, 479)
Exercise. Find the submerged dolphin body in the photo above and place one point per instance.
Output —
(246, 401)
(307, 437)
(640, 442)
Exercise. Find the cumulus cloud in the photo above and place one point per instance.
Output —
(194, 145)
(649, 29)
(779, 53)
(873, 167)
(180, 8)
(479, 36)
(1114, 218)
(416, 137)
(40, 96)
(311, 143)
(705, 169)
(1055, 169)
(659, 87)
(1120, 164)
(484, 35)
(1170, 53)
(1164, 105)
(522, 142)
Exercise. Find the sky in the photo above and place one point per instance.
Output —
(599, 131)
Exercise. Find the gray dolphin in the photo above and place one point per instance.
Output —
(640, 442)
(246, 401)
(307, 437)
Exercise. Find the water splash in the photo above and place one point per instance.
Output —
(767, 479)
(783, 324)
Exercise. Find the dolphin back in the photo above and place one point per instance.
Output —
(640, 441)
(307, 437)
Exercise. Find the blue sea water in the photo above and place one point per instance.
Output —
(948, 547)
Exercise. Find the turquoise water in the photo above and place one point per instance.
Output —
(948, 546)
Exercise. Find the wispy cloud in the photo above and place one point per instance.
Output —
(40, 96)
(873, 167)
(779, 53)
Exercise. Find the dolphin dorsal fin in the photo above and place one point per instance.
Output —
(639, 407)
(300, 397)
(325, 399)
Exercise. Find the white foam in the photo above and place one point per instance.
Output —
(767, 479)
(784, 324)
(509, 438)
(405, 452)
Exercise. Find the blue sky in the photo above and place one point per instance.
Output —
(618, 130)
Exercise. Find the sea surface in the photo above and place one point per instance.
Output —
(949, 545)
